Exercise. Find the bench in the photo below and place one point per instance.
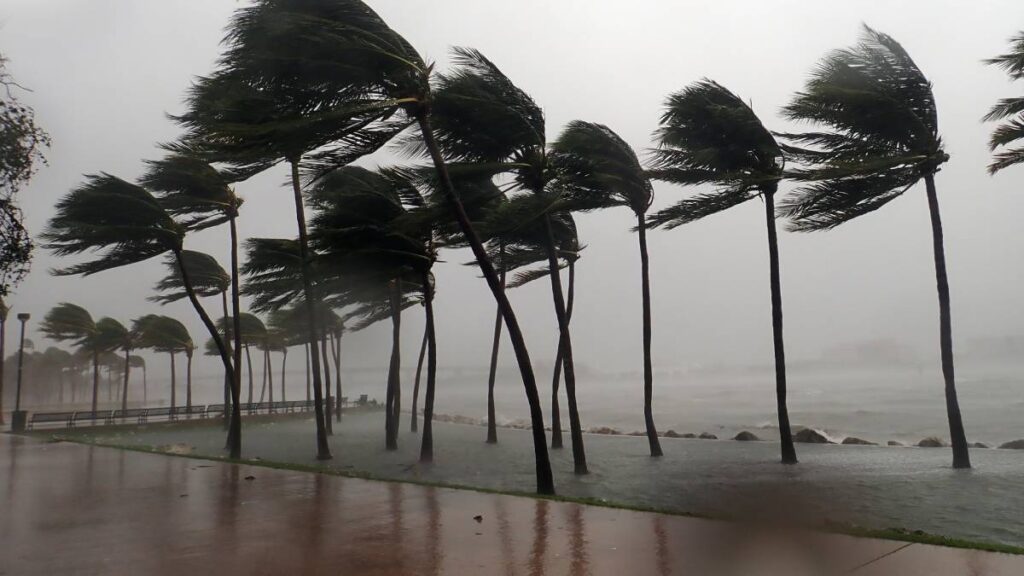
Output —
(93, 417)
(164, 412)
(247, 407)
(138, 413)
(50, 417)
(214, 409)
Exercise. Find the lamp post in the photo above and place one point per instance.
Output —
(18, 416)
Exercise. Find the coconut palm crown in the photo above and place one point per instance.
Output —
(1008, 110)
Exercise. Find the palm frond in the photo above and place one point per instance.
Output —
(206, 274)
(596, 168)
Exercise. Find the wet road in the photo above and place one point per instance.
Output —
(73, 509)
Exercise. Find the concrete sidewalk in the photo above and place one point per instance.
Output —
(74, 509)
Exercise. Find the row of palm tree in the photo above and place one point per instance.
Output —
(318, 85)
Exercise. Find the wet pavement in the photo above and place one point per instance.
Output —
(74, 509)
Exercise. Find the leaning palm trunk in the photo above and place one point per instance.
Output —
(235, 432)
(785, 433)
(427, 448)
(323, 450)
(492, 375)
(270, 378)
(336, 353)
(306, 347)
(227, 380)
(328, 425)
(413, 421)
(961, 455)
(95, 380)
(392, 399)
(579, 456)
(556, 414)
(174, 384)
(248, 362)
(545, 479)
(652, 432)
(188, 382)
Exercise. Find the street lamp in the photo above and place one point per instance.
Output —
(18, 417)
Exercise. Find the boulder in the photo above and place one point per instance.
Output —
(604, 430)
(671, 434)
(980, 445)
(1014, 445)
(854, 441)
(894, 443)
(931, 442)
(745, 436)
(810, 436)
(707, 436)
(689, 435)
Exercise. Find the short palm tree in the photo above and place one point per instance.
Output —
(200, 197)
(708, 135)
(1008, 110)
(253, 333)
(880, 137)
(68, 322)
(601, 170)
(111, 335)
(136, 361)
(167, 335)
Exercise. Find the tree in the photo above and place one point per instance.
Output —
(322, 84)
(1008, 110)
(600, 170)
(708, 135)
(880, 137)
(121, 223)
(167, 335)
(135, 361)
(201, 197)
(68, 322)
(21, 152)
(253, 333)
(505, 128)
(111, 335)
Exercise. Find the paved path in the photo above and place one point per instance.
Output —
(74, 509)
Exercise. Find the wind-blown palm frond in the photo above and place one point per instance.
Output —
(206, 274)
(1011, 130)
(162, 334)
(121, 221)
(883, 133)
(68, 322)
(597, 169)
(112, 335)
(192, 190)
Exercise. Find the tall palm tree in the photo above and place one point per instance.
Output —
(201, 197)
(1010, 131)
(321, 84)
(68, 322)
(879, 138)
(122, 223)
(253, 333)
(112, 336)
(4, 311)
(601, 170)
(505, 126)
(167, 335)
(136, 361)
(708, 135)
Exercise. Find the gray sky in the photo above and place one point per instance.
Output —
(105, 72)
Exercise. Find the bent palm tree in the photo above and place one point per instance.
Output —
(111, 335)
(600, 170)
(708, 135)
(167, 335)
(68, 322)
(880, 138)
(1010, 131)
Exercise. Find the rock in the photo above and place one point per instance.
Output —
(707, 436)
(745, 437)
(853, 440)
(933, 442)
(604, 430)
(689, 435)
(671, 434)
(810, 436)
(894, 443)
(478, 518)
(1014, 445)
(980, 445)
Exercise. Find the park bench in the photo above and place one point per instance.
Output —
(214, 409)
(195, 410)
(261, 407)
(92, 417)
(164, 412)
(296, 405)
(50, 417)
(138, 413)
(248, 408)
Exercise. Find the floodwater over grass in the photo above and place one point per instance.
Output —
(871, 486)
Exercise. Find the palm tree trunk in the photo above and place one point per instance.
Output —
(270, 378)
(95, 379)
(492, 373)
(427, 448)
(227, 379)
(145, 386)
(306, 345)
(248, 361)
(188, 382)
(579, 456)
(284, 364)
(173, 383)
(124, 390)
(323, 449)
(556, 414)
(545, 479)
(336, 354)
(263, 381)
(957, 437)
(3, 343)
(785, 432)
(413, 422)
(327, 386)
(235, 431)
(391, 402)
(645, 273)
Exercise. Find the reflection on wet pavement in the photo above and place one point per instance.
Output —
(68, 508)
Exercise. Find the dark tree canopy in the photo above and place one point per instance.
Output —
(21, 152)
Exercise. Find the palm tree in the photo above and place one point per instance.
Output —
(135, 361)
(68, 322)
(4, 311)
(333, 78)
(167, 335)
(601, 170)
(880, 137)
(708, 135)
(253, 333)
(469, 133)
(1012, 130)
(111, 335)
(201, 197)
(125, 224)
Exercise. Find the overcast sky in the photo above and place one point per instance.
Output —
(105, 72)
